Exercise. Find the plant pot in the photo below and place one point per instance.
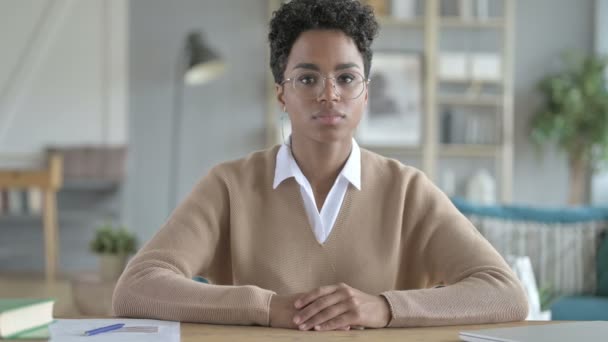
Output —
(92, 296)
(111, 265)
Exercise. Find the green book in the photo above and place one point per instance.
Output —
(39, 334)
(22, 318)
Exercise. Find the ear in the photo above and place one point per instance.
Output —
(280, 94)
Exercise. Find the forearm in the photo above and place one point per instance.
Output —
(490, 296)
(153, 289)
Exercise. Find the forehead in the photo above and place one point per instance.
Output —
(326, 49)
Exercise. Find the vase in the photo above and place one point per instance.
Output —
(111, 265)
(481, 188)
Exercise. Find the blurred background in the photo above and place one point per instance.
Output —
(107, 122)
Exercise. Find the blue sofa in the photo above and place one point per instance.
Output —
(573, 306)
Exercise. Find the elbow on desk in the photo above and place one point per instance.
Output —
(118, 302)
(518, 311)
(507, 300)
(517, 303)
(522, 309)
(122, 301)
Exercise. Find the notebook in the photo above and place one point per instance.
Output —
(135, 330)
(555, 332)
(19, 316)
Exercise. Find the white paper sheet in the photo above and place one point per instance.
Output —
(72, 330)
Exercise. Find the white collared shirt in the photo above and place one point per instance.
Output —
(321, 222)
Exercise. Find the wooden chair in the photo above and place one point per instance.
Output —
(49, 180)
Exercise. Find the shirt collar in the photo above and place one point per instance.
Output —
(286, 167)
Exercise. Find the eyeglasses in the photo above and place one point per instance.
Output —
(347, 85)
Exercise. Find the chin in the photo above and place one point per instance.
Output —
(332, 136)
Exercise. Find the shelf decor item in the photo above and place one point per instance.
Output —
(574, 114)
(453, 66)
(403, 9)
(486, 67)
(394, 113)
(481, 188)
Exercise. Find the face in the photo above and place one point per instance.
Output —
(327, 116)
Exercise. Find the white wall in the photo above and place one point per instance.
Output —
(63, 73)
(599, 183)
(222, 120)
(544, 29)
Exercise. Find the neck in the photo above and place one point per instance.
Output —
(320, 162)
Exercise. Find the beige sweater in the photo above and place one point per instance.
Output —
(399, 236)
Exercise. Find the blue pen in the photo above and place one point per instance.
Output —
(104, 329)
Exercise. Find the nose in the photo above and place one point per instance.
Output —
(330, 91)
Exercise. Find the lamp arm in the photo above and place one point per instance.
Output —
(175, 135)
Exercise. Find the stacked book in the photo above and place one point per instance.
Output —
(25, 318)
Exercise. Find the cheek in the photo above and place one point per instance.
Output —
(290, 100)
(297, 108)
(359, 109)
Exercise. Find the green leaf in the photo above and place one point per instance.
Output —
(574, 109)
(112, 239)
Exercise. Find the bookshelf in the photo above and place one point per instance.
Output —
(457, 22)
(489, 99)
(48, 180)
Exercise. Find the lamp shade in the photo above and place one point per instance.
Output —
(203, 63)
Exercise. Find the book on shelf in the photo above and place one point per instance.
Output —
(25, 317)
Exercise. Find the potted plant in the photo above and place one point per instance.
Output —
(113, 244)
(574, 114)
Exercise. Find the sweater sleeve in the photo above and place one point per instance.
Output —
(157, 281)
(479, 287)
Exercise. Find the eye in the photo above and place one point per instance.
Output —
(346, 78)
(308, 79)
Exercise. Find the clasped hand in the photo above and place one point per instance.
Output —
(333, 307)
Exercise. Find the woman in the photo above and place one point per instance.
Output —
(318, 233)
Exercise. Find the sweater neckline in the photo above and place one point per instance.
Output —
(340, 219)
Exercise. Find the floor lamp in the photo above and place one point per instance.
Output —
(196, 64)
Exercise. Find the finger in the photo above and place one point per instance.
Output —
(345, 328)
(311, 296)
(319, 305)
(324, 316)
(337, 322)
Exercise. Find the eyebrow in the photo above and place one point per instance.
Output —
(312, 66)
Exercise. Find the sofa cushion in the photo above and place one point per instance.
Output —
(602, 267)
(580, 308)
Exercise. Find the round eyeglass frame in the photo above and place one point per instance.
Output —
(365, 82)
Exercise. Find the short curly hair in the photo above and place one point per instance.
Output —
(356, 20)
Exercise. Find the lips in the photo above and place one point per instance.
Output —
(329, 117)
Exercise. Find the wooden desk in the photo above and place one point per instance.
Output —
(205, 332)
